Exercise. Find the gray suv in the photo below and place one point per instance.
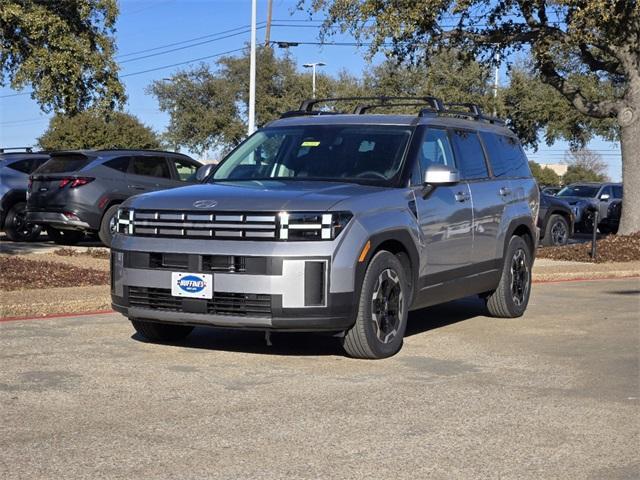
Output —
(76, 192)
(337, 223)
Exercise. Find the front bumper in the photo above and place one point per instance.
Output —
(255, 292)
(57, 220)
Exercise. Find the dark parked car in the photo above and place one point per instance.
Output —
(555, 220)
(15, 168)
(588, 198)
(79, 191)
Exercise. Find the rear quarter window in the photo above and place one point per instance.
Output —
(506, 156)
(120, 164)
(66, 163)
(27, 165)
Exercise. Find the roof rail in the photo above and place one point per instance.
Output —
(381, 100)
(26, 149)
(473, 111)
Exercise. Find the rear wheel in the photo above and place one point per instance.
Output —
(65, 237)
(382, 312)
(106, 226)
(16, 226)
(557, 231)
(161, 332)
(511, 298)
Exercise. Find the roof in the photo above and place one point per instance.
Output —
(104, 152)
(389, 119)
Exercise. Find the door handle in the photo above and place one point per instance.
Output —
(136, 187)
(461, 197)
(504, 191)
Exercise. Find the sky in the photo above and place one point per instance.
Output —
(144, 25)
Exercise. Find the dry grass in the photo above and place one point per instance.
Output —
(614, 248)
(22, 274)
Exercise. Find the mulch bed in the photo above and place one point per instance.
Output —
(614, 248)
(91, 252)
(21, 274)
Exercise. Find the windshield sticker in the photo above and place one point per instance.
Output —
(310, 143)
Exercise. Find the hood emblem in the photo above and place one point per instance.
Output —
(205, 203)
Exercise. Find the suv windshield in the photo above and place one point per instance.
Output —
(346, 153)
(585, 191)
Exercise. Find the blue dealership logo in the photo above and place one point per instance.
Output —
(192, 284)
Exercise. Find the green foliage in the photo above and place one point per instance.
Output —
(208, 107)
(544, 175)
(63, 50)
(579, 173)
(92, 129)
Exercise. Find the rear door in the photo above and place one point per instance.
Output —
(148, 173)
(488, 196)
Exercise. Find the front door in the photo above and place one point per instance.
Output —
(444, 214)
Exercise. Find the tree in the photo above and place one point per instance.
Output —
(208, 107)
(544, 175)
(590, 161)
(580, 173)
(63, 50)
(93, 130)
(573, 44)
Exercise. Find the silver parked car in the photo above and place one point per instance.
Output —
(336, 223)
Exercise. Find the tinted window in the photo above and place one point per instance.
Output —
(150, 166)
(64, 163)
(469, 155)
(186, 170)
(435, 149)
(606, 191)
(121, 164)
(617, 191)
(362, 153)
(506, 156)
(27, 165)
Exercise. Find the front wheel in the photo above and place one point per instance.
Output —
(65, 237)
(17, 228)
(161, 332)
(511, 298)
(382, 311)
(557, 231)
(107, 225)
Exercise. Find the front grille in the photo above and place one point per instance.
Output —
(222, 303)
(204, 225)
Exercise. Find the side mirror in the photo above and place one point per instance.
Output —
(204, 171)
(604, 197)
(437, 174)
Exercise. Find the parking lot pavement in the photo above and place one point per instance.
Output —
(551, 395)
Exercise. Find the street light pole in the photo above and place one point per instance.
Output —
(313, 75)
(496, 84)
(252, 72)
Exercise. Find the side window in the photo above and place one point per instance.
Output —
(121, 164)
(435, 149)
(506, 156)
(469, 155)
(617, 192)
(186, 170)
(606, 191)
(23, 166)
(150, 166)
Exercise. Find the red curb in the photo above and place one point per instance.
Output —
(54, 315)
(587, 279)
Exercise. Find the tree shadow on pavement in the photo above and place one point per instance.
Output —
(317, 344)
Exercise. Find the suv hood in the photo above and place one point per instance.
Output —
(253, 196)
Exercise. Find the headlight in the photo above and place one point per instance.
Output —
(312, 226)
(123, 221)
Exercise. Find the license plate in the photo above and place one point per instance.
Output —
(192, 285)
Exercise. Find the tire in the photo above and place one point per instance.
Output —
(511, 298)
(105, 233)
(605, 229)
(385, 290)
(161, 332)
(65, 237)
(15, 226)
(556, 232)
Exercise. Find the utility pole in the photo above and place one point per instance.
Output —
(267, 34)
(252, 72)
(313, 75)
(496, 81)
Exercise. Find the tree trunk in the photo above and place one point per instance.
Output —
(630, 147)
